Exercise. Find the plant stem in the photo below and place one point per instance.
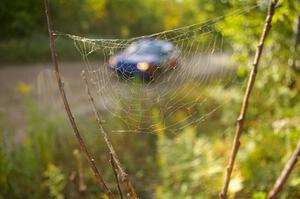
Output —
(112, 163)
(83, 147)
(244, 107)
(296, 43)
(277, 188)
(124, 176)
(81, 184)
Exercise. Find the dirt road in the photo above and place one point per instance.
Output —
(16, 80)
(40, 80)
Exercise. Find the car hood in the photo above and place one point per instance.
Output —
(135, 58)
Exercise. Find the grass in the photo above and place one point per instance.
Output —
(40, 164)
(188, 164)
(34, 49)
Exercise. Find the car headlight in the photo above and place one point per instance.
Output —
(143, 66)
(112, 61)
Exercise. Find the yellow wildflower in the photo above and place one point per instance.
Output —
(23, 88)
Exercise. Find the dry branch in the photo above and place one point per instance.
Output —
(250, 84)
(285, 173)
(124, 176)
(113, 166)
(83, 147)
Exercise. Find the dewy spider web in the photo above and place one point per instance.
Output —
(175, 98)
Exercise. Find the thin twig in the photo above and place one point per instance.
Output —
(83, 147)
(81, 184)
(277, 188)
(124, 176)
(251, 80)
(113, 166)
(295, 67)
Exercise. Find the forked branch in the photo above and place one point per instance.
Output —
(83, 147)
(250, 84)
(124, 176)
(277, 188)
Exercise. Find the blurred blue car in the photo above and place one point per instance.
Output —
(145, 59)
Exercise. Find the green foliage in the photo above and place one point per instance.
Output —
(37, 163)
(270, 122)
(34, 49)
(20, 18)
(5, 169)
(23, 21)
(55, 181)
(190, 163)
(191, 166)
(259, 195)
(29, 159)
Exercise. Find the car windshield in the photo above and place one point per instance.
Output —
(145, 48)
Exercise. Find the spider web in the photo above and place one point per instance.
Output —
(189, 95)
(175, 98)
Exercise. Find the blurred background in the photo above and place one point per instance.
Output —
(39, 156)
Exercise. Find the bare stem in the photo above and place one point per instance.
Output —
(83, 147)
(251, 81)
(296, 43)
(277, 188)
(112, 163)
(124, 176)
(81, 185)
